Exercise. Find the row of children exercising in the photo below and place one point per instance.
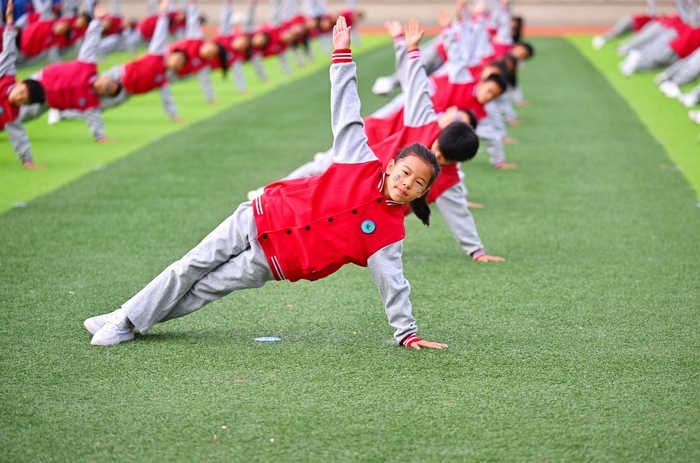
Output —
(307, 227)
(75, 89)
(670, 43)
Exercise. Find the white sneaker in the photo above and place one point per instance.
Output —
(117, 329)
(622, 50)
(688, 100)
(383, 86)
(54, 116)
(626, 69)
(694, 116)
(660, 78)
(255, 194)
(670, 89)
(94, 324)
(598, 42)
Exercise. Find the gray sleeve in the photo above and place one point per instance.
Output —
(386, 269)
(452, 205)
(160, 36)
(44, 8)
(456, 58)
(115, 73)
(284, 62)
(517, 95)
(225, 27)
(238, 76)
(493, 113)
(505, 107)
(651, 7)
(93, 117)
(205, 82)
(9, 52)
(19, 140)
(349, 139)
(89, 48)
(291, 9)
(276, 12)
(257, 60)
(683, 11)
(418, 108)
(193, 29)
(320, 164)
(166, 97)
(249, 22)
(400, 50)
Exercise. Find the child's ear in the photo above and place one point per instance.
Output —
(390, 166)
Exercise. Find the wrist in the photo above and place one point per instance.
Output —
(342, 55)
(410, 340)
(477, 254)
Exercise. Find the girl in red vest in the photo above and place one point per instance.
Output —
(16, 93)
(302, 229)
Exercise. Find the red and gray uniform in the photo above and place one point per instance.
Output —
(146, 73)
(68, 85)
(293, 231)
(9, 114)
(420, 125)
(225, 37)
(191, 45)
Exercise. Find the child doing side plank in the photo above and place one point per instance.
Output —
(302, 229)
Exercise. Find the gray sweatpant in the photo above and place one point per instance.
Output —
(685, 70)
(228, 259)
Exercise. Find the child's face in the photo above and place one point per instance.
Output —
(487, 91)
(521, 52)
(105, 86)
(240, 43)
(208, 50)
(19, 94)
(407, 179)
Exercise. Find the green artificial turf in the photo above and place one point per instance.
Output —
(666, 119)
(69, 151)
(583, 346)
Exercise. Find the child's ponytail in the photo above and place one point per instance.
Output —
(419, 206)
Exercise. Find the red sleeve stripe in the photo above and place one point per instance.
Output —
(399, 38)
(477, 254)
(411, 339)
(413, 54)
(342, 56)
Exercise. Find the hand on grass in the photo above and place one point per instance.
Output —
(472, 205)
(30, 165)
(413, 34)
(510, 140)
(105, 140)
(341, 34)
(507, 166)
(486, 258)
(428, 345)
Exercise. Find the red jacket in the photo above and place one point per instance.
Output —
(8, 112)
(144, 74)
(69, 85)
(310, 227)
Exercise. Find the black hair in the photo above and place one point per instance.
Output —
(18, 39)
(87, 17)
(202, 19)
(507, 73)
(458, 142)
(473, 121)
(223, 58)
(36, 91)
(528, 47)
(517, 28)
(419, 206)
(499, 79)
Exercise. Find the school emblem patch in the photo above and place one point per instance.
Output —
(368, 227)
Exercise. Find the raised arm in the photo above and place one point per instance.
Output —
(395, 30)
(88, 49)
(225, 27)
(349, 139)
(418, 107)
(9, 51)
(193, 28)
(276, 13)
(456, 56)
(651, 7)
(160, 34)
(249, 23)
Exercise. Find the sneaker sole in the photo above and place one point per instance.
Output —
(113, 341)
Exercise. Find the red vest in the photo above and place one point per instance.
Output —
(449, 177)
(378, 129)
(37, 37)
(686, 43)
(144, 74)
(460, 95)
(231, 55)
(191, 48)
(8, 112)
(69, 85)
(310, 227)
